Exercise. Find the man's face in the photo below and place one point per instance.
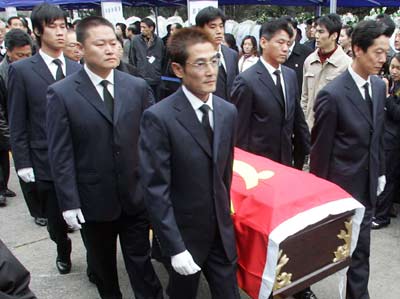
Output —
(216, 29)
(71, 49)
(199, 74)
(16, 24)
(118, 31)
(19, 53)
(323, 40)
(344, 39)
(100, 49)
(308, 31)
(373, 59)
(53, 36)
(397, 41)
(276, 49)
(146, 31)
(293, 39)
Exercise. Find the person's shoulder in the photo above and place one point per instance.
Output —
(304, 49)
(65, 85)
(23, 63)
(223, 104)
(130, 80)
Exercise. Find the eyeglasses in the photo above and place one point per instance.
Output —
(203, 66)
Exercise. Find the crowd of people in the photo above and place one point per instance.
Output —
(114, 130)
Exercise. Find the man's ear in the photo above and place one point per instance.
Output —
(36, 32)
(81, 48)
(357, 51)
(178, 69)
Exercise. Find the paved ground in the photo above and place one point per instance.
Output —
(32, 246)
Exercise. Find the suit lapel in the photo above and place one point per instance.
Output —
(289, 103)
(218, 127)
(88, 91)
(266, 79)
(375, 98)
(187, 117)
(41, 69)
(356, 98)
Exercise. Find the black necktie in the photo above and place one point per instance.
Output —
(59, 73)
(205, 121)
(277, 73)
(368, 98)
(108, 99)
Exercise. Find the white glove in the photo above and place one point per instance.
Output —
(184, 264)
(72, 217)
(26, 174)
(381, 184)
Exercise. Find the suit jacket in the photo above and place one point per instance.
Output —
(27, 86)
(296, 61)
(225, 81)
(392, 122)
(186, 181)
(347, 144)
(94, 158)
(265, 128)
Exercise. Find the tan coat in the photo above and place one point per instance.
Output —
(317, 75)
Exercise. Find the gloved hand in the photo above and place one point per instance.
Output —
(184, 264)
(381, 184)
(72, 217)
(26, 174)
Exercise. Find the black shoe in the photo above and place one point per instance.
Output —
(379, 225)
(63, 267)
(308, 294)
(41, 221)
(8, 193)
(3, 201)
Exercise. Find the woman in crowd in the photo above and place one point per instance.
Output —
(120, 30)
(345, 39)
(392, 146)
(249, 53)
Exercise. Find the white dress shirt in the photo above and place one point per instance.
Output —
(197, 103)
(360, 82)
(96, 80)
(271, 71)
(51, 64)
(221, 57)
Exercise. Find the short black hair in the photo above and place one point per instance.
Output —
(291, 21)
(89, 22)
(149, 22)
(12, 18)
(44, 14)
(209, 14)
(332, 23)
(365, 33)
(269, 29)
(134, 28)
(16, 38)
(390, 24)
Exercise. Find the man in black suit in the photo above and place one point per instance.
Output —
(186, 154)
(267, 98)
(212, 20)
(347, 138)
(27, 86)
(297, 53)
(93, 120)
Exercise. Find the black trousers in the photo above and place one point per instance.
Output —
(220, 274)
(36, 205)
(358, 273)
(101, 244)
(55, 222)
(385, 200)
(5, 168)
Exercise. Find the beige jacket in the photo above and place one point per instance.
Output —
(317, 75)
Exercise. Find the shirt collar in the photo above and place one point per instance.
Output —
(49, 60)
(195, 101)
(96, 79)
(269, 67)
(360, 82)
